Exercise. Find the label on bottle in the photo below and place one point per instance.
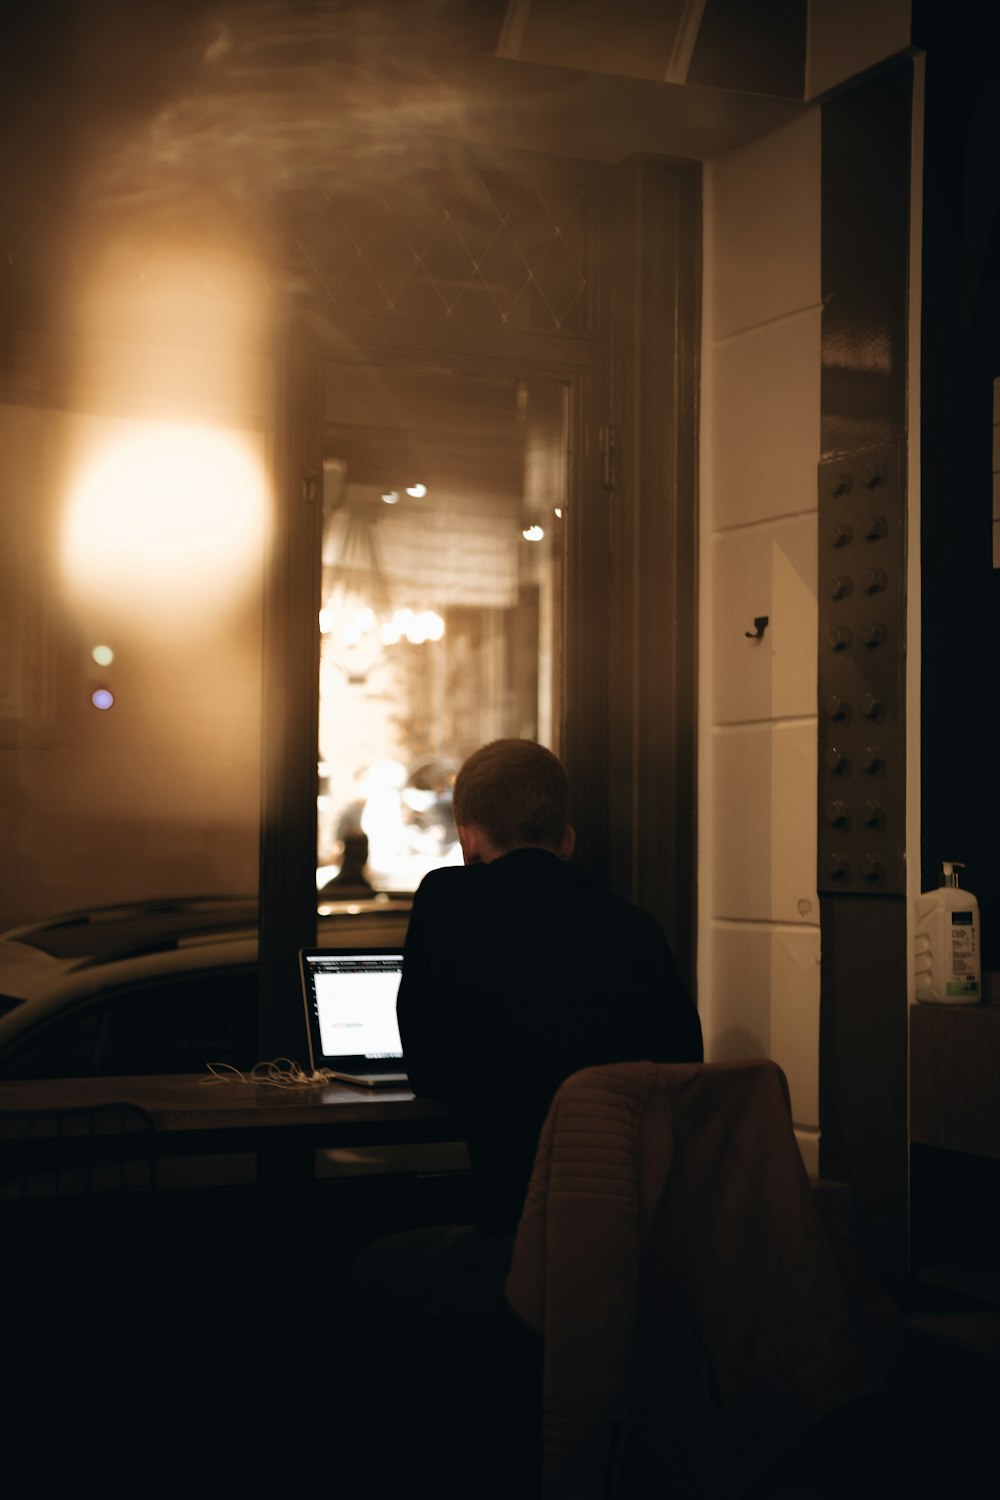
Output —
(963, 979)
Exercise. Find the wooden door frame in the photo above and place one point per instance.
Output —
(290, 698)
(651, 790)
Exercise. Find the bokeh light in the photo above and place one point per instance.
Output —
(167, 525)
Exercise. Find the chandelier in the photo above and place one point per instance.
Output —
(357, 620)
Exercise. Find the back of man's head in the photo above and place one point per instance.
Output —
(516, 792)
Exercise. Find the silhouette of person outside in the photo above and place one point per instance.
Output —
(350, 879)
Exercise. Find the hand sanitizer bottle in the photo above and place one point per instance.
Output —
(947, 943)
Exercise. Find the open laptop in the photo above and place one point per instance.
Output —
(350, 1000)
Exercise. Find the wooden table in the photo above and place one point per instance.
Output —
(192, 1115)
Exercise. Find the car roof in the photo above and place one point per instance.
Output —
(82, 952)
(99, 932)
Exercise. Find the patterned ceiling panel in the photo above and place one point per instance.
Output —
(474, 245)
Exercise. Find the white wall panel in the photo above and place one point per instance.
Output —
(741, 816)
(741, 589)
(794, 618)
(759, 937)
(793, 822)
(765, 429)
(808, 1144)
(768, 570)
(740, 1025)
(767, 226)
(794, 964)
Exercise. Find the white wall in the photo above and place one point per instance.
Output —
(759, 939)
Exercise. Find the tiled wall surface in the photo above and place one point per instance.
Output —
(759, 930)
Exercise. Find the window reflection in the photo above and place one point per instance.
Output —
(444, 498)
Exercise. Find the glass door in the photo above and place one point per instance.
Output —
(444, 507)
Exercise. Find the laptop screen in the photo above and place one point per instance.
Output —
(350, 999)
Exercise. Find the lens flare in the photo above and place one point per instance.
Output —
(167, 522)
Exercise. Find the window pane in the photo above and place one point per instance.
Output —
(129, 658)
(444, 502)
(171, 1026)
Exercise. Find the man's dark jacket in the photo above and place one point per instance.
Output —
(516, 974)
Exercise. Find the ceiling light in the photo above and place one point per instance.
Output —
(418, 491)
(533, 533)
(391, 497)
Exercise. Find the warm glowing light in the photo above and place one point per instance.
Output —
(533, 533)
(557, 512)
(394, 629)
(391, 497)
(359, 626)
(102, 698)
(418, 491)
(433, 625)
(416, 628)
(359, 623)
(103, 655)
(167, 524)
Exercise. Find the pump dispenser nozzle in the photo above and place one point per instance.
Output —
(949, 871)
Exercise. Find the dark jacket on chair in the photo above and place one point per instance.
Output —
(693, 1308)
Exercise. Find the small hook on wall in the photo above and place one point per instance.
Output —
(760, 624)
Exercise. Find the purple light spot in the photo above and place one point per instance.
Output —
(102, 698)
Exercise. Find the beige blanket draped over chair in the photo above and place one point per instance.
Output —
(694, 1308)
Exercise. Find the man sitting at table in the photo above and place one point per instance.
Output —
(519, 969)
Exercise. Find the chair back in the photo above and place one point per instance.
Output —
(695, 1321)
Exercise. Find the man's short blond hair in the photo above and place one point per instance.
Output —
(516, 791)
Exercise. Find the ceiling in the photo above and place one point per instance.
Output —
(115, 115)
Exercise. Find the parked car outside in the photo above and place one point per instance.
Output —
(153, 986)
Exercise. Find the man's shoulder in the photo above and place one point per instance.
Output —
(447, 882)
(450, 899)
(532, 875)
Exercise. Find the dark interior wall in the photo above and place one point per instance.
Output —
(960, 358)
(760, 48)
(863, 1006)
